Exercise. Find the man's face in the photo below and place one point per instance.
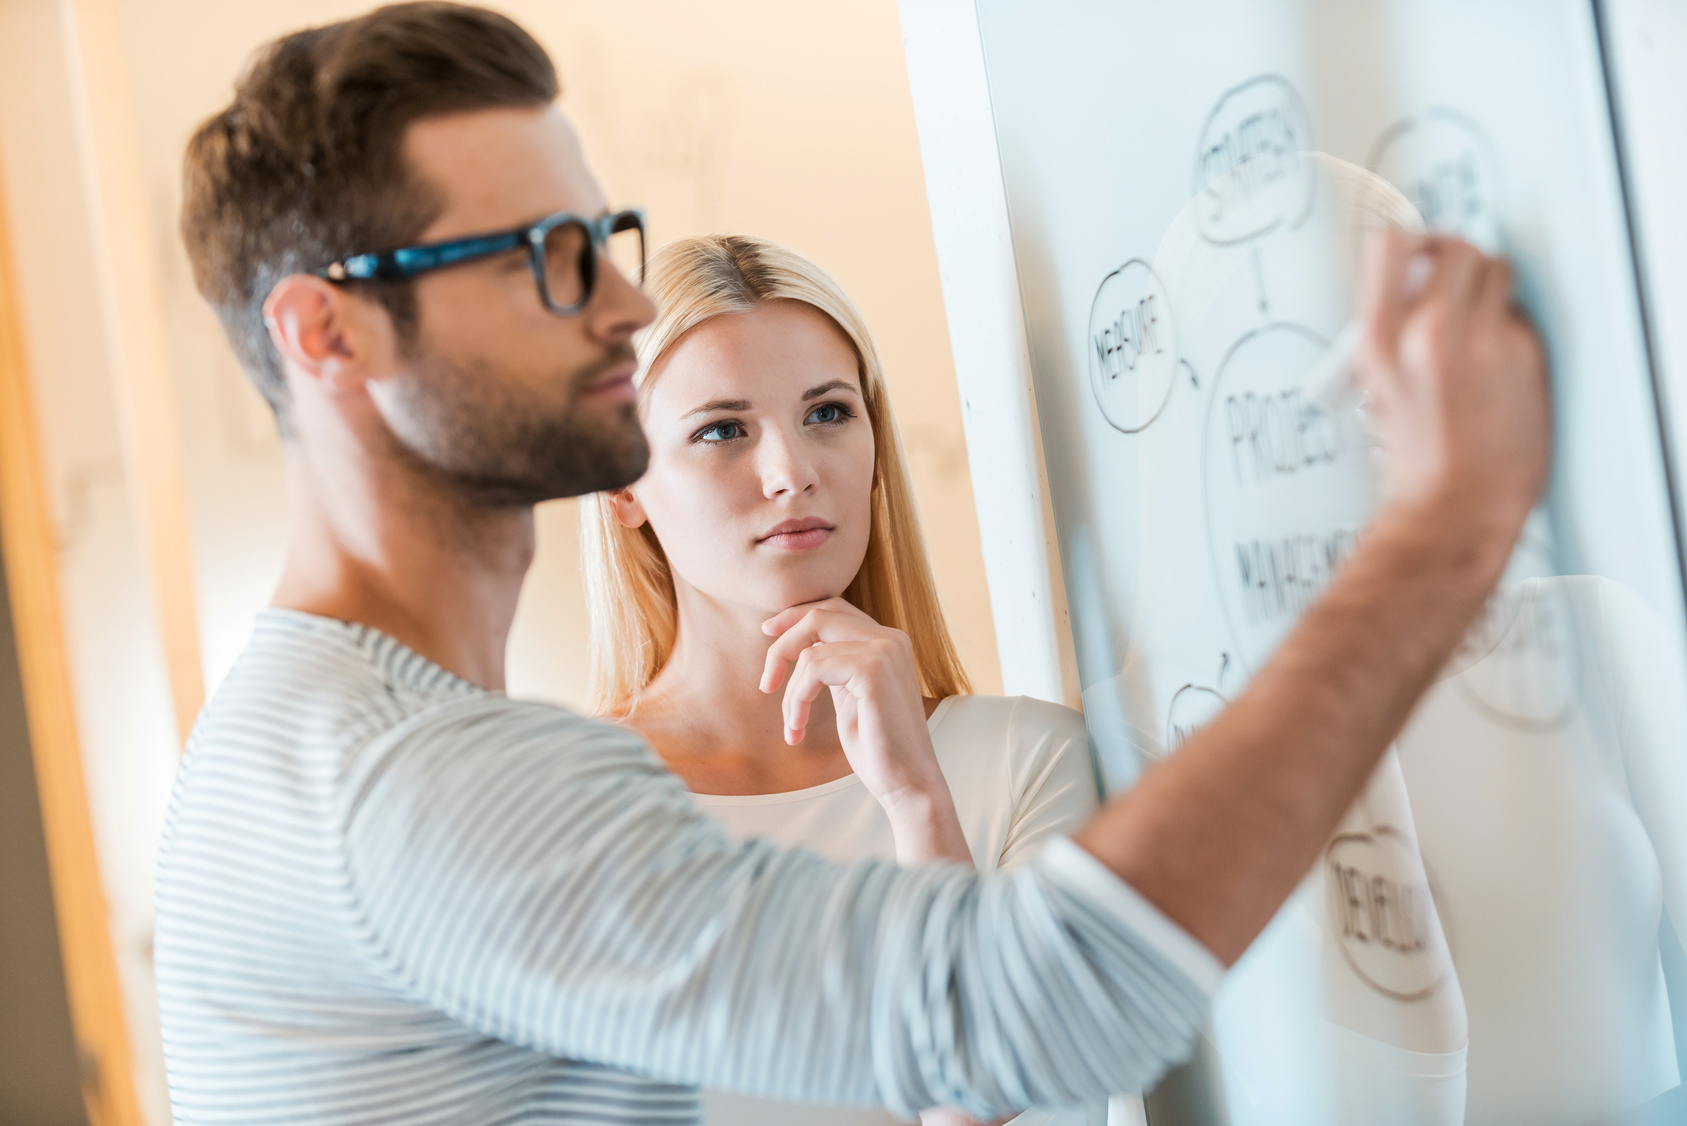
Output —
(500, 399)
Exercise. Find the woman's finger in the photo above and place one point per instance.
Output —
(813, 628)
(787, 647)
(818, 668)
(789, 616)
(800, 692)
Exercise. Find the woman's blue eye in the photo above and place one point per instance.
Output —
(719, 432)
(829, 412)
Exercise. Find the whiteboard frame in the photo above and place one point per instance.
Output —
(975, 261)
(1659, 269)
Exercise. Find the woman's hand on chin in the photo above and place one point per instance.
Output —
(875, 688)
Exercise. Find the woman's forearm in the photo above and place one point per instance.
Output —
(926, 827)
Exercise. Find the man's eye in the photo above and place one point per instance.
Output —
(829, 413)
(719, 432)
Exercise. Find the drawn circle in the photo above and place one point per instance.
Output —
(1381, 912)
(1531, 558)
(1251, 171)
(1132, 346)
(1192, 708)
(1518, 665)
(1444, 163)
(1528, 681)
(1287, 488)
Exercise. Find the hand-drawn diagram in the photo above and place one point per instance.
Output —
(1445, 164)
(1252, 178)
(1193, 707)
(1250, 173)
(1528, 679)
(1383, 915)
(1540, 777)
(1517, 665)
(1288, 487)
(1133, 346)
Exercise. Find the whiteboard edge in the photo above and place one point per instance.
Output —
(969, 221)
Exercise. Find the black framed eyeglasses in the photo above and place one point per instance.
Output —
(564, 250)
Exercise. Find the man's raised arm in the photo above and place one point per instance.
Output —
(1218, 836)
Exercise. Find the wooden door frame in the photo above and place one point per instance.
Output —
(31, 572)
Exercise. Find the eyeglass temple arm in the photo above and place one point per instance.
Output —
(398, 265)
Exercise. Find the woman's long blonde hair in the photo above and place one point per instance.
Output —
(629, 587)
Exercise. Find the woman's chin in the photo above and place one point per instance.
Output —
(778, 601)
(795, 586)
(803, 598)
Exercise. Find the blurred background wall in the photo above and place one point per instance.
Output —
(790, 121)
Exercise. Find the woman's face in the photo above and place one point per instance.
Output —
(761, 459)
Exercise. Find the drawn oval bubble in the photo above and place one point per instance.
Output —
(1251, 173)
(1532, 558)
(1192, 708)
(1444, 163)
(1517, 665)
(1132, 346)
(1287, 487)
(1528, 680)
(1382, 914)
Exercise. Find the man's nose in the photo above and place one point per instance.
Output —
(618, 307)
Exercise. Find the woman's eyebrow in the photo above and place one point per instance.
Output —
(827, 388)
(719, 405)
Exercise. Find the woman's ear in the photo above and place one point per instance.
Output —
(628, 511)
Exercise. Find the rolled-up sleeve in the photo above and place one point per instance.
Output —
(541, 879)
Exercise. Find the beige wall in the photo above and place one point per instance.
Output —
(765, 117)
(783, 120)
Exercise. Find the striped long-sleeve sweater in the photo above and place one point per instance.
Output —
(387, 896)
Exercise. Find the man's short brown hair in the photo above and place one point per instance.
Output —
(306, 165)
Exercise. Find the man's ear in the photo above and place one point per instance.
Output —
(323, 332)
(626, 508)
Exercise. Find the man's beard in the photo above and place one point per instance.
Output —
(495, 446)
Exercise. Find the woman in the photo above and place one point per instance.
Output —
(775, 530)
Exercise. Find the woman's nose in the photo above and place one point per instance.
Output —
(785, 466)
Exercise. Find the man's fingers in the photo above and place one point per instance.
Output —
(1458, 274)
(1498, 282)
(1382, 281)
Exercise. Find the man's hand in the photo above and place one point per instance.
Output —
(1456, 384)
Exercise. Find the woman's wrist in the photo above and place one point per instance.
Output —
(926, 827)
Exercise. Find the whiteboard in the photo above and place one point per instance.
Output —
(1133, 419)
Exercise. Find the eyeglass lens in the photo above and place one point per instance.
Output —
(570, 265)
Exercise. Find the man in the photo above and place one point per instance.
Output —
(389, 892)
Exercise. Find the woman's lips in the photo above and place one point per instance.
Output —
(798, 535)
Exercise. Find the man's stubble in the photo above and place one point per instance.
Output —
(489, 444)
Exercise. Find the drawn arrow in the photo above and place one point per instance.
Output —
(1259, 281)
